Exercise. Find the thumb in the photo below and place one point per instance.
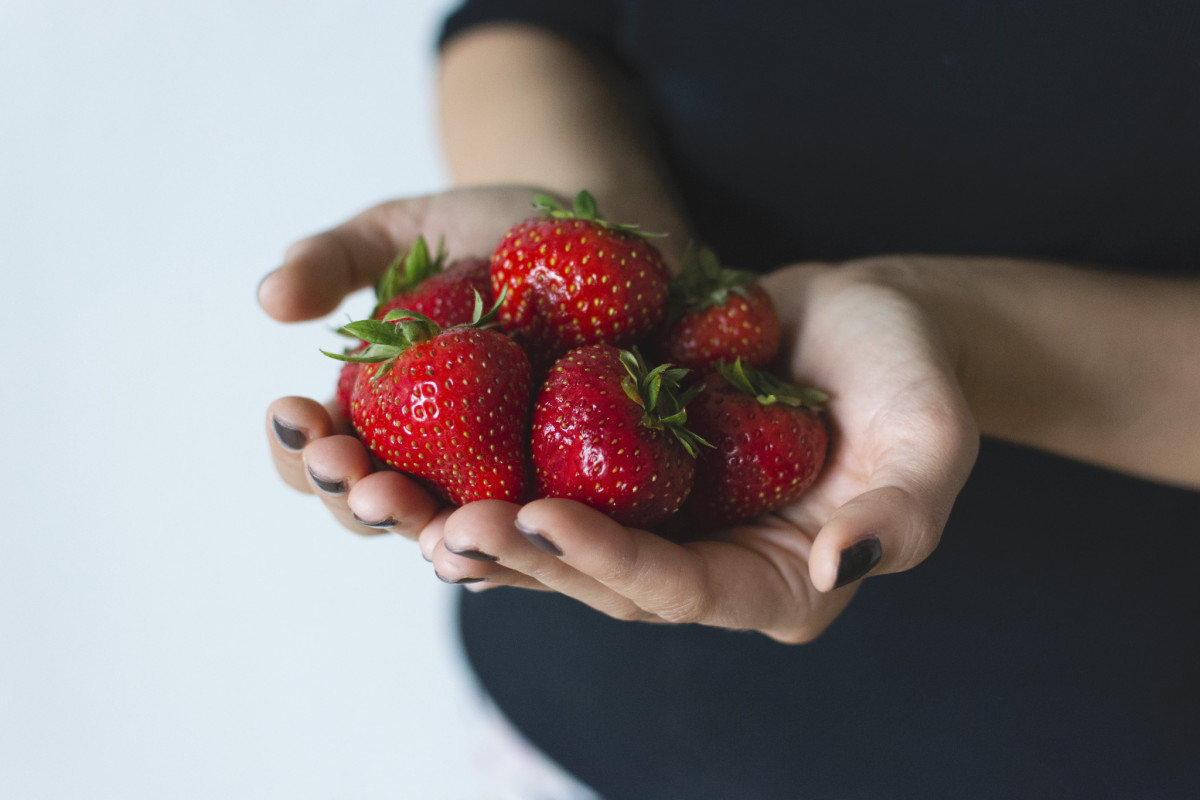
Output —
(319, 271)
(888, 529)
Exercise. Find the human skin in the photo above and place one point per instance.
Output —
(920, 355)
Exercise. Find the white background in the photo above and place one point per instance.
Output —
(174, 622)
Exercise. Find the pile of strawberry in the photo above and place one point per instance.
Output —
(547, 394)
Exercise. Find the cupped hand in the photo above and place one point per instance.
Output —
(311, 444)
(904, 442)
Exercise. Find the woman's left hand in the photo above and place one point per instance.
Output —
(903, 443)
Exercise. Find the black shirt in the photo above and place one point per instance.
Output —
(1049, 647)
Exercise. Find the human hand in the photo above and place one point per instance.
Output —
(311, 444)
(904, 443)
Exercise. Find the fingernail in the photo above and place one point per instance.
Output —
(289, 437)
(460, 581)
(474, 555)
(383, 524)
(538, 539)
(262, 280)
(857, 560)
(329, 487)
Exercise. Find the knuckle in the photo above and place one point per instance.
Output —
(686, 608)
(622, 565)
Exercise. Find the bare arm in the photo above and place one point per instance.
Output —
(1098, 366)
(521, 105)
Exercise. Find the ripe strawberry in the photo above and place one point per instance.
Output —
(449, 405)
(571, 279)
(769, 445)
(609, 433)
(446, 297)
(717, 314)
(418, 282)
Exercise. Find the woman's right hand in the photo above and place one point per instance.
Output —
(311, 444)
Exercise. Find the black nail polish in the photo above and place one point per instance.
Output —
(328, 487)
(383, 524)
(474, 555)
(538, 539)
(457, 582)
(857, 560)
(289, 437)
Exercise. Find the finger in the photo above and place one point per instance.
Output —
(883, 530)
(478, 574)
(333, 466)
(479, 540)
(291, 424)
(391, 501)
(756, 581)
(897, 521)
(319, 271)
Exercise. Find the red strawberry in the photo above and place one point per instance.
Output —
(609, 433)
(769, 445)
(417, 282)
(571, 279)
(447, 297)
(347, 377)
(446, 405)
(717, 314)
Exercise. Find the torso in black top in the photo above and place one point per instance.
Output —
(1035, 654)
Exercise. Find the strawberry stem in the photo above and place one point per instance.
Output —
(703, 283)
(407, 270)
(768, 389)
(657, 391)
(585, 209)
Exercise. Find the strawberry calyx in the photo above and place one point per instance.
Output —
(585, 209)
(703, 283)
(659, 394)
(768, 389)
(407, 270)
(399, 330)
(387, 338)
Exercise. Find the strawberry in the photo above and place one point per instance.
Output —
(717, 314)
(447, 297)
(769, 445)
(418, 282)
(571, 279)
(347, 377)
(609, 433)
(449, 406)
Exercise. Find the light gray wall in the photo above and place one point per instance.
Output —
(174, 622)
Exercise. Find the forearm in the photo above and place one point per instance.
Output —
(520, 105)
(1092, 365)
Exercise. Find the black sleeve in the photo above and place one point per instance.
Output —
(590, 21)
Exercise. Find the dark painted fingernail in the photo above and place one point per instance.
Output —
(457, 582)
(857, 560)
(383, 524)
(328, 487)
(538, 539)
(289, 437)
(474, 555)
